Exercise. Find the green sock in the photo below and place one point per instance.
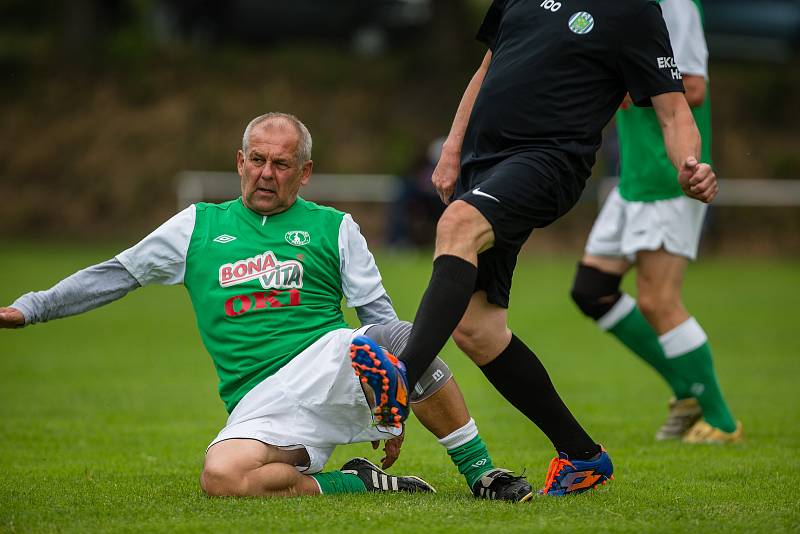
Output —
(698, 367)
(472, 459)
(638, 335)
(334, 482)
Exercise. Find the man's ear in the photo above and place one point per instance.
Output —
(306, 176)
(240, 162)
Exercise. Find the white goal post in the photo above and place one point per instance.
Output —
(737, 192)
(197, 186)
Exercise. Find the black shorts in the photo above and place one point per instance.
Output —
(518, 194)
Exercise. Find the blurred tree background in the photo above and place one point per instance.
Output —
(105, 101)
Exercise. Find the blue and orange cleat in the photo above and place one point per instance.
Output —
(386, 376)
(565, 476)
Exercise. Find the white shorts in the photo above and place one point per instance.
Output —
(315, 401)
(623, 227)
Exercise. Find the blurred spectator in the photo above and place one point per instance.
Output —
(417, 208)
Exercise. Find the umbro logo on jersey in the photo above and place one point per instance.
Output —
(477, 191)
(224, 238)
(297, 238)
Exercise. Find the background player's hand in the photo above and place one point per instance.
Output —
(698, 180)
(391, 450)
(11, 318)
(445, 175)
(627, 102)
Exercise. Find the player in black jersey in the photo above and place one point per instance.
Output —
(521, 147)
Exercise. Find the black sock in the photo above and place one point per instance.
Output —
(522, 379)
(442, 307)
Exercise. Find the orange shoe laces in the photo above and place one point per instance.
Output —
(556, 465)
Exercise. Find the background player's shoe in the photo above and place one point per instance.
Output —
(500, 484)
(702, 432)
(386, 376)
(565, 476)
(376, 479)
(683, 414)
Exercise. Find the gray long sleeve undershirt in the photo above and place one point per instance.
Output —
(106, 282)
(85, 290)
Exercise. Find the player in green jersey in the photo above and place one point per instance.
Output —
(266, 274)
(647, 222)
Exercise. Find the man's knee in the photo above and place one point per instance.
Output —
(481, 341)
(594, 291)
(655, 304)
(462, 223)
(466, 338)
(217, 481)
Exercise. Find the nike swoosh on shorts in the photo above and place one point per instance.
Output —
(477, 191)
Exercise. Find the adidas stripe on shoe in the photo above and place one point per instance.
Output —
(683, 414)
(376, 479)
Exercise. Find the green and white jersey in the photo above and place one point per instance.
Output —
(263, 288)
(647, 173)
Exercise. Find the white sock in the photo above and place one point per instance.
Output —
(683, 339)
(463, 435)
(618, 312)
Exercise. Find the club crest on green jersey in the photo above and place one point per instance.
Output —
(297, 238)
(271, 273)
(581, 23)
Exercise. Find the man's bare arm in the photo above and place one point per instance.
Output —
(695, 87)
(683, 143)
(446, 172)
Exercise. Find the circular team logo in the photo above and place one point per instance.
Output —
(581, 23)
(297, 238)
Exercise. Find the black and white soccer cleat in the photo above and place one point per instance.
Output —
(501, 484)
(376, 479)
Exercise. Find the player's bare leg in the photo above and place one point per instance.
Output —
(438, 403)
(484, 336)
(463, 231)
(517, 373)
(483, 332)
(597, 292)
(607, 264)
(444, 412)
(247, 467)
(250, 468)
(659, 280)
(450, 300)
(446, 416)
(658, 328)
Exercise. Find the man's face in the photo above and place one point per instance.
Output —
(271, 175)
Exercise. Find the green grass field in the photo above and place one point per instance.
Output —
(104, 418)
